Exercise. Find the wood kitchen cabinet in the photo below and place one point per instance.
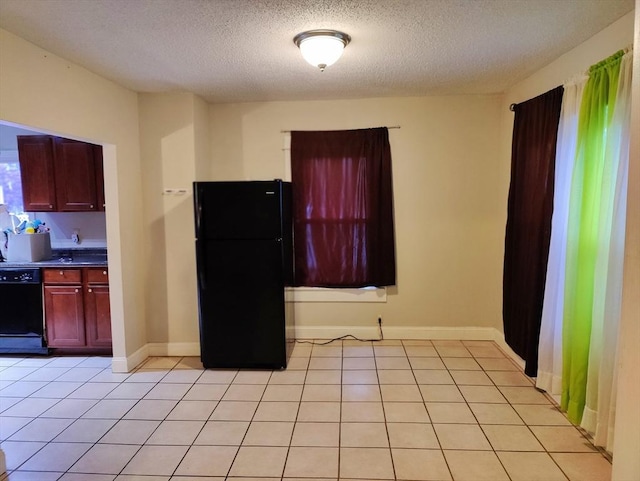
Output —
(60, 175)
(36, 171)
(97, 308)
(64, 307)
(77, 311)
(75, 176)
(99, 164)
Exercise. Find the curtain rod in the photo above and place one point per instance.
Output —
(390, 127)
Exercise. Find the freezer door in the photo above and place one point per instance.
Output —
(238, 210)
(241, 296)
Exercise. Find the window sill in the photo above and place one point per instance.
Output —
(319, 294)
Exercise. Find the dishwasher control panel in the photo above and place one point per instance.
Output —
(17, 275)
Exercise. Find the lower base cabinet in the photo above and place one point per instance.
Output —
(64, 314)
(97, 315)
(77, 311)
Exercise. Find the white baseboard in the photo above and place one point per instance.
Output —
(332, 332)
(499, 339)
(127, 364)
(441, 333)
(174, 349)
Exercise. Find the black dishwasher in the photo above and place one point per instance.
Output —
(21, 312)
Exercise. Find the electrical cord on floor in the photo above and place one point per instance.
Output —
(347, 336)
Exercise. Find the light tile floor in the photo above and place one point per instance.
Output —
(393, 410)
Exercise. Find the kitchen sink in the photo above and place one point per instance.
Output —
(90, 256)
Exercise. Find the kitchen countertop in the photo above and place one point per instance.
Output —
(66, 258)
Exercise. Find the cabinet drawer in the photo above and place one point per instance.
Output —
(62, 276)
(97, 275)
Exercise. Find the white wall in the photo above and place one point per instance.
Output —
(91, 228)
(448, 197)
(45, 92)
(202, 134)
(169, 124)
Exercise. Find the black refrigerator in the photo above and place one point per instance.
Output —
(244, 258)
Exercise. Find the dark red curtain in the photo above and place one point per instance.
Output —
(528, 231)
(343, 208)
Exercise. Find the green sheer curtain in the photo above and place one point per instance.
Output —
(586, 232)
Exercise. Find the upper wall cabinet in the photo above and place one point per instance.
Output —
(75, 176)
(60, 175)
(36, 171)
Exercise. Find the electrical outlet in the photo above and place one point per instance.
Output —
(75, 237)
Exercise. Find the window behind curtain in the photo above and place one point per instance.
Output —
(343, 208)
(10, 183)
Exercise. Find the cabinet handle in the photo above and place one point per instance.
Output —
(61, 273)
(90, 290)
(91, 206)
(104, 273)
(50, 206)
(76, 290)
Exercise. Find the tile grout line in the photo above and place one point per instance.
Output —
(295, 421)
(434, 430)
(173, 473)
(527, 425)
(553, 403)
(122, 417)
(34, 418)
(340, 409)
(427, 409)
(235, 456)
(193, 383)
(386, 427)
(46, 443)
(495, 453)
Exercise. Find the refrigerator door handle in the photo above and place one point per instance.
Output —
(198, 217)
(202, 274)
(200, 252)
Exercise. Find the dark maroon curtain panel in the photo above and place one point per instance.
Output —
(528, 231)
(343, 208)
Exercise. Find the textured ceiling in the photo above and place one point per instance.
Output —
(242, 50)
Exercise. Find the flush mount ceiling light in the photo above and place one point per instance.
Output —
(321, 48)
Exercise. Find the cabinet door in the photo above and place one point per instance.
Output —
(36, 170)
(99, 166)
(98, 316)
(64, 316)
(75, 176)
